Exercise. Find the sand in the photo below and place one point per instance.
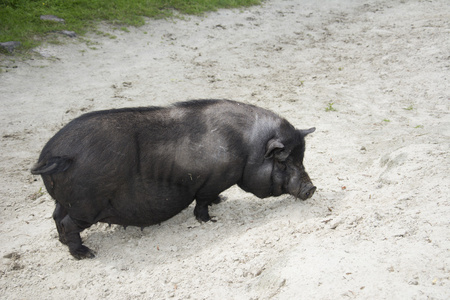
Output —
(371, 76)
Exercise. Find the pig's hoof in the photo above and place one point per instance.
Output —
(203, 216)
(82, 252)
(206, 219)
(201, 213)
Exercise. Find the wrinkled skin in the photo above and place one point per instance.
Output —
(142, 166)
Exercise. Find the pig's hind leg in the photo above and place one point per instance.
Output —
(70, 232)
(58, 216)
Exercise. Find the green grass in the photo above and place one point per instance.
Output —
(330, 107)
(20, 19)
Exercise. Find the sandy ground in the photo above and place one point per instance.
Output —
(378, 226)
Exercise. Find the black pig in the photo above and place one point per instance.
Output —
(141, 166)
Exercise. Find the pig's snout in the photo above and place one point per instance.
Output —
(307, 191)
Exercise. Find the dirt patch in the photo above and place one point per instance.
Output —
(378, 225)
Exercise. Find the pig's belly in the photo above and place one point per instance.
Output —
(147, 205)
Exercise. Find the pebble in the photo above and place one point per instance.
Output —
(9, 46)
(336, 222)
(71, 34)
(52, 18)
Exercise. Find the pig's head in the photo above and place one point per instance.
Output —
(288, 173)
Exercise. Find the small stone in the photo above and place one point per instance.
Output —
(336, 222)
(52, 18)
(9, 46)
(71, 34)
(258, 272)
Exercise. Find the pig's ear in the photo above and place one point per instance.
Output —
(273, 147)
(305, 132)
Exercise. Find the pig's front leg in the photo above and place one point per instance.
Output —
(201, 208)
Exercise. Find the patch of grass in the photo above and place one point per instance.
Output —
(20, 19)
(330, 107)
(409, 108)
(105, 34)
(386, 120)
(419, 126)
(37, 194)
